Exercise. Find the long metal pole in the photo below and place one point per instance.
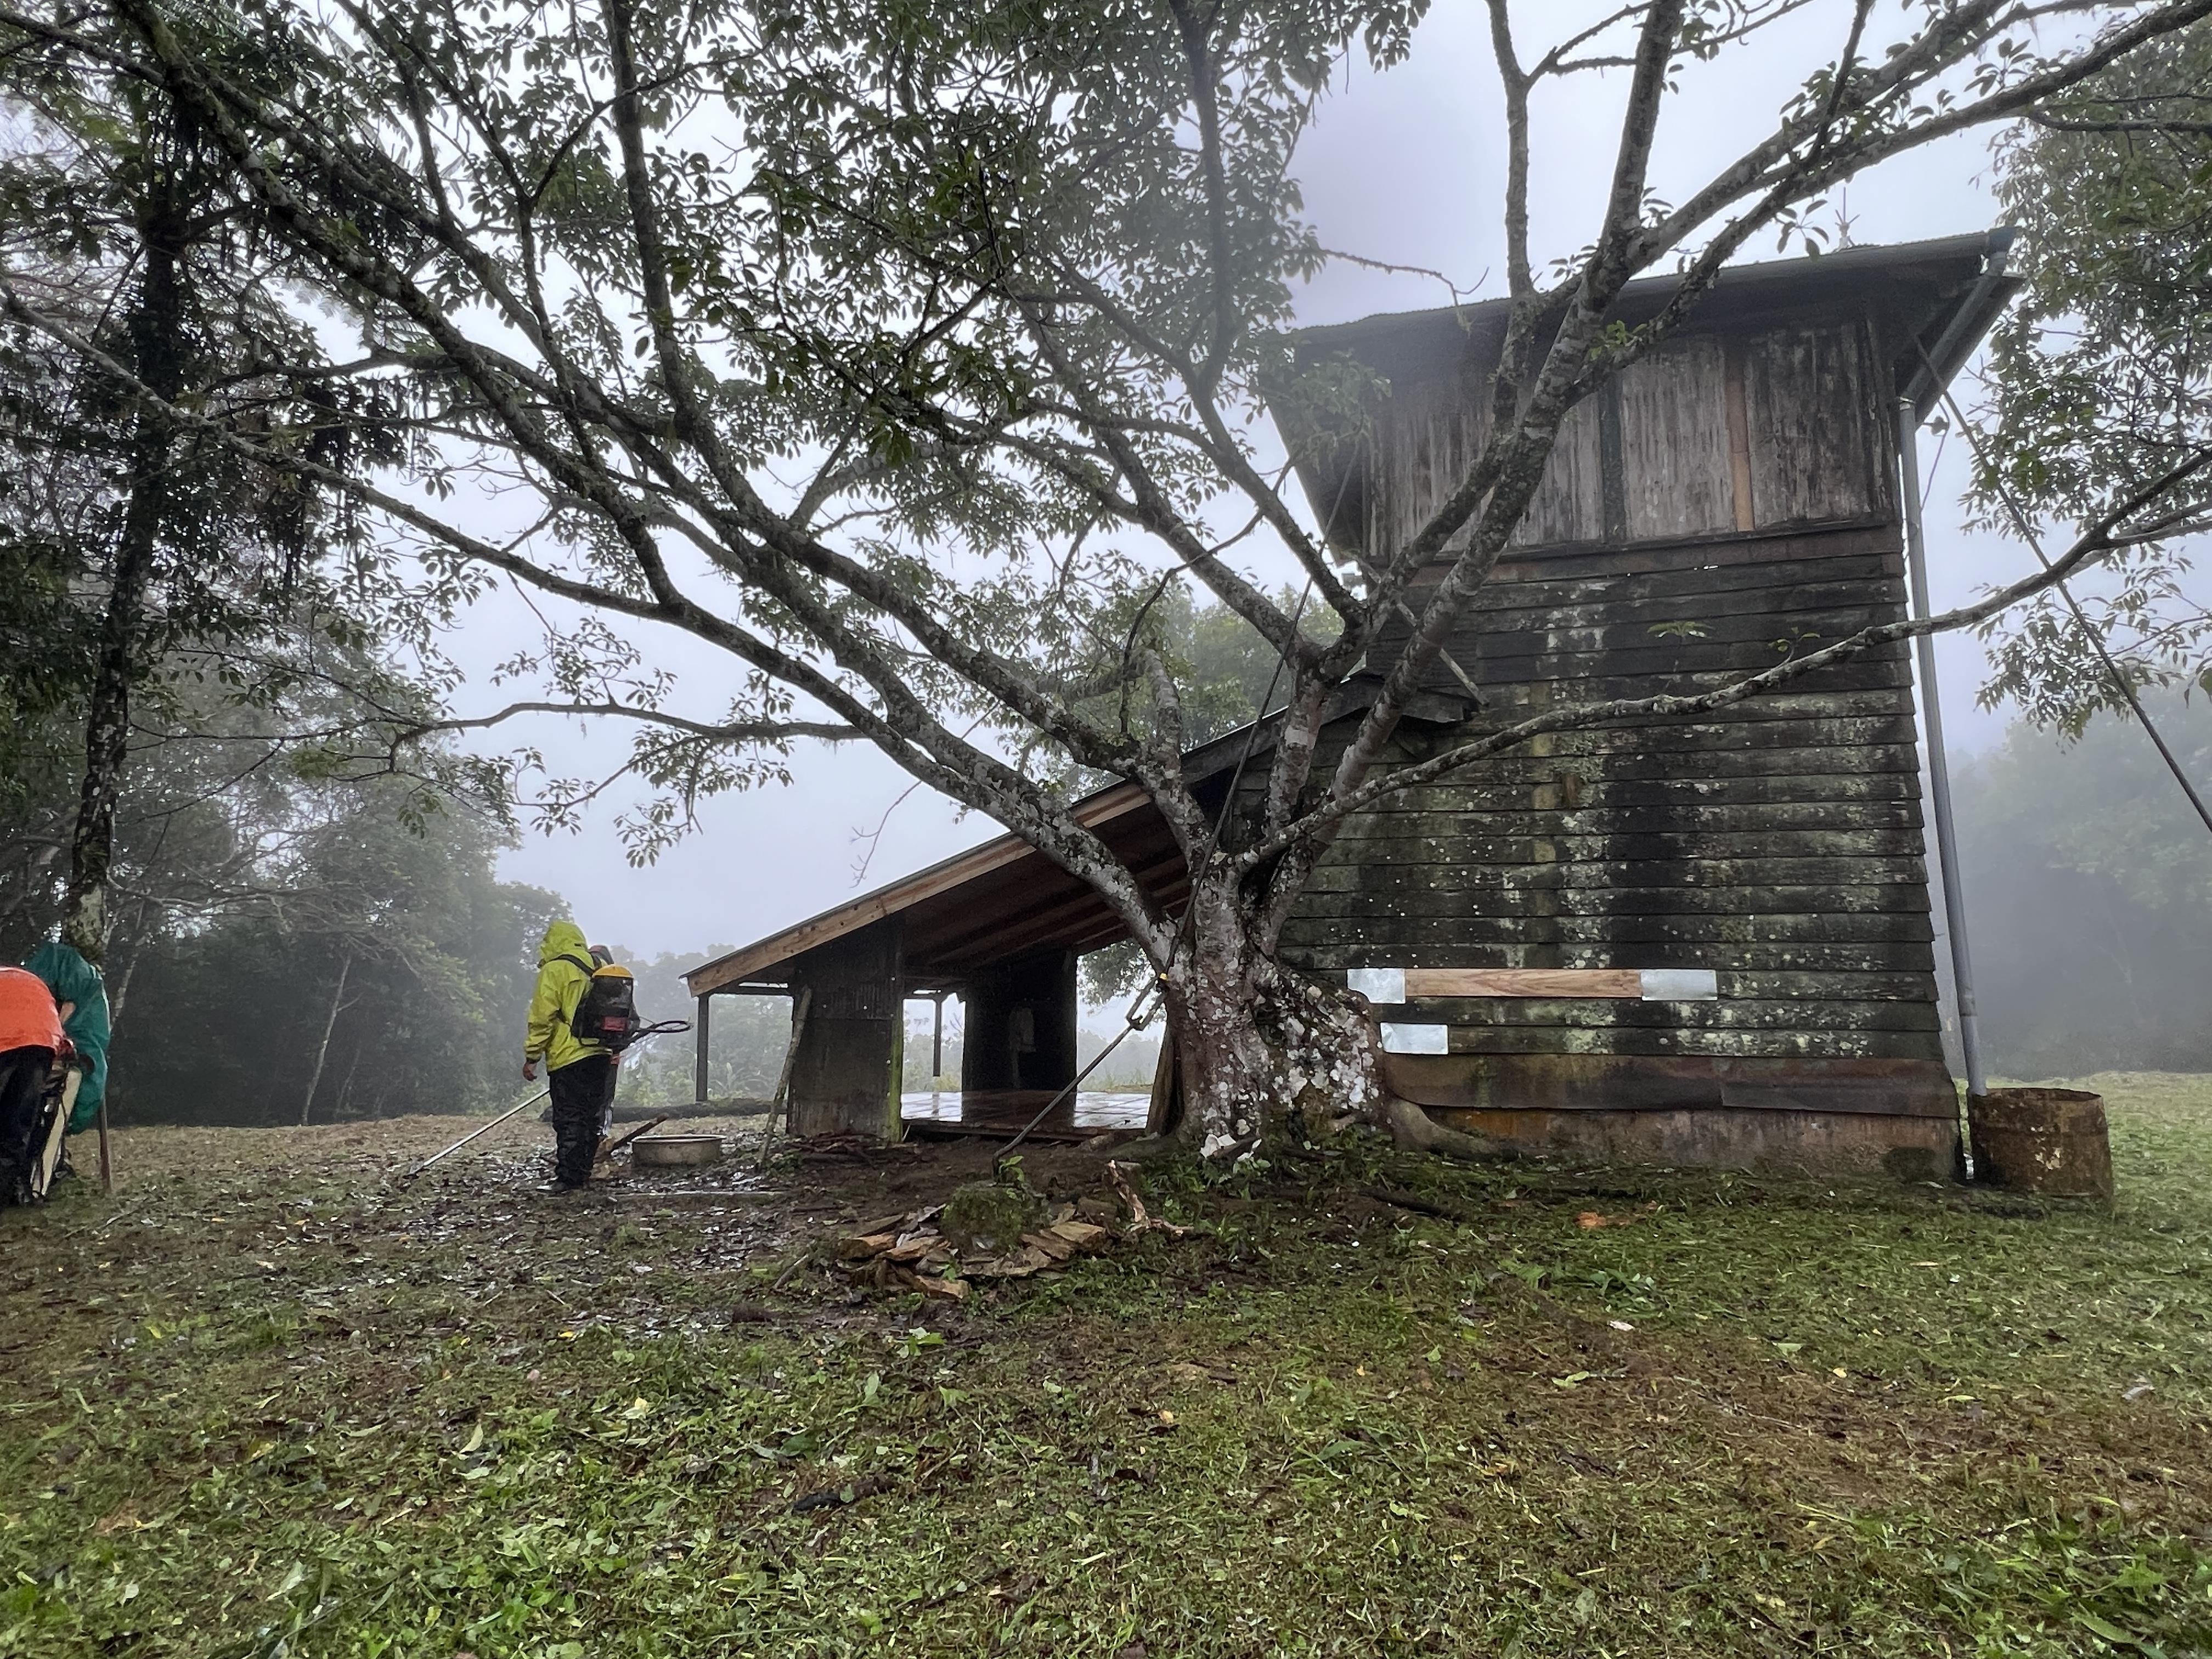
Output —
(1939, 765)
(473, 1133)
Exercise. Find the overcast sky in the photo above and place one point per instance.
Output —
(1403, 167)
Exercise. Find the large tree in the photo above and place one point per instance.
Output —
(902, 352)
(130, 533)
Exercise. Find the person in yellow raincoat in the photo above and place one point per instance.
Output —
(580, 1075)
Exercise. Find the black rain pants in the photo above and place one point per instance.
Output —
(23, 1074)
(581, 1090)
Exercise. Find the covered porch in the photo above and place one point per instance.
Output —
(1001, 929)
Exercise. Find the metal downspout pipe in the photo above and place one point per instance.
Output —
(1939, 765)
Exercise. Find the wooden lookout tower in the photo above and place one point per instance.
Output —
(1703, 941)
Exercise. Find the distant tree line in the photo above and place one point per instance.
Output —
(745, 1042)
(291, 938)
(2090, 887)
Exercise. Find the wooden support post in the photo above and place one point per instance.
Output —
(699, 1041)
(937, 1043)
(777, 1102)
(1738, 402)
(1020, 1030)
(848, 1063)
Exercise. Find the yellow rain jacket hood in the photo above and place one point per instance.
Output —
(562, 982)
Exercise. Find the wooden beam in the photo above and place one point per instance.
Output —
(703, 1026)
(1393, 987)
(1523, 982)
(1106, 804)
(1612, 466)
(1739, 431)
(1002, 935)
(1103, 927)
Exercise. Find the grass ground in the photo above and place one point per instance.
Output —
(259, 1404)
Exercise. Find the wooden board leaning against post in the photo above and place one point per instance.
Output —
(778, 1103)
(628, 1135)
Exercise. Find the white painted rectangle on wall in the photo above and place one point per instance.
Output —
(1402, 1039)
(1378, 984)
(1681, 985)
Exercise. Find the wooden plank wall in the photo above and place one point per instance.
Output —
(845, 1076)
(1727, 503)
(1778, 842)
(1766, 427)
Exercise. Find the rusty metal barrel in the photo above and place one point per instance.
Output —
(2054, 1142)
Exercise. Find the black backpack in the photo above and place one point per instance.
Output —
(606, 1014)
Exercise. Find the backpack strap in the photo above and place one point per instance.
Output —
(589, 968)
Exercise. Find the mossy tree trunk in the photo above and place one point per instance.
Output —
(157, 328)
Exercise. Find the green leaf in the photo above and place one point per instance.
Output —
(2104, 1627)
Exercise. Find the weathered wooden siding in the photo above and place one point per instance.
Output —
(1676, 476)
(1718, 433)
(1719, 506)
(1819, 445)
(1778, 843)
(845, 1075)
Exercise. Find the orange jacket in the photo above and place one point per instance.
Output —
(28, 1017)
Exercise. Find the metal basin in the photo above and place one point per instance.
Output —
(675, 1152)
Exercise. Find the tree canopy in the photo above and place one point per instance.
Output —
(2107, 365)
(134, 292)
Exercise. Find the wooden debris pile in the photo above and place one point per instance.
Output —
(909, 1251)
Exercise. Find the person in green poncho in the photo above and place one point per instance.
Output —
(83, 995)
